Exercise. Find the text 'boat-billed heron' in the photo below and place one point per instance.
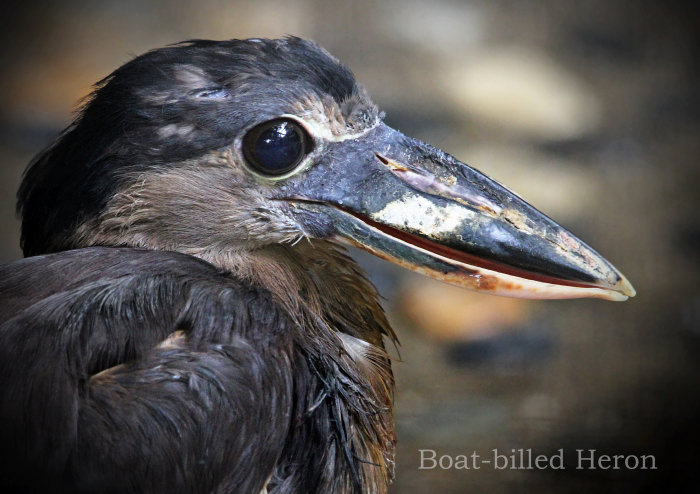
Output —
(187, 319)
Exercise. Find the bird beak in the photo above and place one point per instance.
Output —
(414, 205)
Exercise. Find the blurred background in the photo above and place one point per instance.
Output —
(590, 110)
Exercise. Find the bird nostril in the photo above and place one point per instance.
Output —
(393, 165)
(446, 187)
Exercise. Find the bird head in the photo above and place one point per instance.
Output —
(221, 149)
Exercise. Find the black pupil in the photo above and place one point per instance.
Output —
(279, 148)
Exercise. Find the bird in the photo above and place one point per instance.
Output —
(187, 317)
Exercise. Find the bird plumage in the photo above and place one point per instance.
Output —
(187, 319)
(246, 392)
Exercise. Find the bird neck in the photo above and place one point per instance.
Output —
(316, 277)
(341, 329)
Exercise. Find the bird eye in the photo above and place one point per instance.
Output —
(277, 146)
(214, 93)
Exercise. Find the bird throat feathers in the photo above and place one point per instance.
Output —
(339, 311)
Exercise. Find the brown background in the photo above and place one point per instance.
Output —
(589, 110)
